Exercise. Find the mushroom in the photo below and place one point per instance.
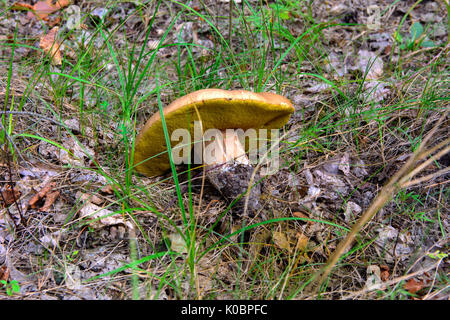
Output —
(218, 111)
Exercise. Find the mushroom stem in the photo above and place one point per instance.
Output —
(225, 147)
(229, 170)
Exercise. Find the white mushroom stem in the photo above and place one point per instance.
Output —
(228, 169)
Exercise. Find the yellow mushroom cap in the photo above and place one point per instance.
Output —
(218, 109)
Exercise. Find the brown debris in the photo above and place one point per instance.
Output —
(41, 9)
(9, 195)
(50, 46)
(49, 194)
(4, 273)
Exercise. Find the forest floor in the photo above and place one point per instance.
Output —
(366, 150)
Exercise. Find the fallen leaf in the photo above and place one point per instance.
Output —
(108, 189)
(384, 275)
(47, 188)
(9, 195)
(91, 198)
(177, 243)
(344, 163)
(49, 200)
(100, 217)
(51, 47)
(281, 241)
(51, 240)
(79, 155)
(393, 245)
(371, 64)
(351, 211)
(21, 6)
(302, 242)
(4, 273)
(299, 214)
(54, 22)
(412, 286)
(42, 9)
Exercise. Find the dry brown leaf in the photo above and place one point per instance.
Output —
(9, 195)
(50, 46)
(21, 6)
(54, 22)
(46, 189)
(299, 214)
(49, 200)
(412, 286)
(302, 242)
(108, 189)
(384, 275)
(42, 9)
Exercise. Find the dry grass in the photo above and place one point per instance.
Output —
(354, 171)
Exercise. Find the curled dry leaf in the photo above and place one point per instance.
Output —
(299, 214)
(51, 47)
(41, 9)
(49, 200)
(384, 275)
(302, 242)
(21, 6)
(47, 192)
